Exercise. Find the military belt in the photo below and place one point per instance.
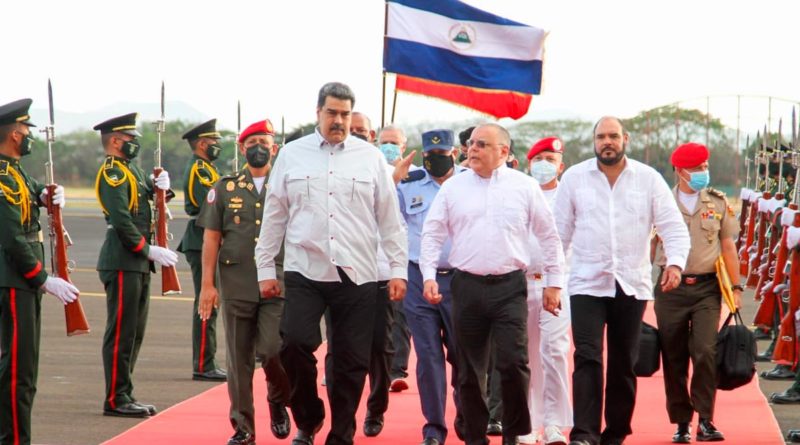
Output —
(34, 237)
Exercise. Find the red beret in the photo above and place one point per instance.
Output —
(689, 155)
(260, 127)
(547, 144)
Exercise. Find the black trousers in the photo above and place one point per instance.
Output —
(352, 311)
(621, 316)
(492, 314)
(401, 342)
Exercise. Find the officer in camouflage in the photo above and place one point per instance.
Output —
(231, 218)
(22, 275)
(199, 177)
(124, 264)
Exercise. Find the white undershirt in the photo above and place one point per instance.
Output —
(259, 182)
(689, 200)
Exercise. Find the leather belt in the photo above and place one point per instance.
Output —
(690, 279)
(444, 272)
(493, 279)
(34, 237)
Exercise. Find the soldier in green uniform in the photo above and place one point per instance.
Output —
(689, 314)
(22, 276)
(124, 264)
(231, 218)
(198, 178)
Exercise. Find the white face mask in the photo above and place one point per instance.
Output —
(543, 171)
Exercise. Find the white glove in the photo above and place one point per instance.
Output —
(793, 237)
(162, 181)
(787, 217)
(62, 289)
(744, 194)
(164, 257)
(58, 197)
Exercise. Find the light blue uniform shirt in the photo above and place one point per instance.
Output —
(416, 197)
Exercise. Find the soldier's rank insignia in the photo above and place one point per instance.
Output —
(250, 187)
(230, 186)
(236, 219)
(241, 185)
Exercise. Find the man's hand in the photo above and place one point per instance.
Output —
(269, 288)
(402, 167)
(61, 289)
(431, 292)
(397, 289)
(162, 181)
(163, 256)
(671, 278)
(551, 300)
(737, 298)
(209, 300)
(58, 196)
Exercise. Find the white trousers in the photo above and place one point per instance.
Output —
(548, 358)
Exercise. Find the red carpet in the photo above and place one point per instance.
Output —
(742, 415)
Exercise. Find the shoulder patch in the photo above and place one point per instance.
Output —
(4, 167)
(413, 176)
(212, 196)
(717, 193)
(200, 163)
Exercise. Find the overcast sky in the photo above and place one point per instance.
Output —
(602, 57)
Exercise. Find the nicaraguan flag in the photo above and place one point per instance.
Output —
(452, 42)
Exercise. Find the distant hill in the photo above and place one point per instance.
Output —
(67, 122)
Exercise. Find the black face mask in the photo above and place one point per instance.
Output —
(213, 151)
(257, 156)
(26, 146)
(510, 164)
(438, 165)
(360, 136)
(130, 149)
(462, 157)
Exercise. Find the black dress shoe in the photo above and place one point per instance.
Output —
(788, 397)
(430, 441)
(764, 357)
(151, 409)
(579, 442)
(780, 372)
(242, 438)
(129, 409)
(373, 425)
(761, 334)
(279, 420)
(306, 437)
(683, 434)
(458, 425)
(793, 436)
(495, 428)
(214, 375)
(707, 432)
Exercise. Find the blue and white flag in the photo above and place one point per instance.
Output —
(452, 42)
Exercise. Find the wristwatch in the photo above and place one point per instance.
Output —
(738, 287)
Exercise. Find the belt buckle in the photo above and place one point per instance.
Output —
(690, 280)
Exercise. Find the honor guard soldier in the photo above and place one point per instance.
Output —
(22, 274)
(125, 261)
(231, 219)
(198, 178)
(689, 314)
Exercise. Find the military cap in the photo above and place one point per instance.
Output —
(123, 124)
(16, 111)
(553, 144)
(260, 127)
(689, 155)
(437, 139)
(204, 130)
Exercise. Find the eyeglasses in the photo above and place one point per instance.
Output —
(480, 144)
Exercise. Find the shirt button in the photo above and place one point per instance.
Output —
(258, 204)
(227, 261)
(330, 193)
(331, 216)
(331, 237)
(330, 173)
(255, 239)
(332, 260)
(258, 222)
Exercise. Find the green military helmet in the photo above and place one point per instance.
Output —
(123, 124)
(16, 111)
(204, 130)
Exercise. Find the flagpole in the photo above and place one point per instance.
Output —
(394, 104)
(385, 46)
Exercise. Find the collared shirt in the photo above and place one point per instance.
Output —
(416, 198)
(489, 221)
(536, 265)
(609, 229)
(332, 202)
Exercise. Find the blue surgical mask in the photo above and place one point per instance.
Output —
(390, 151)
(699, 180)
(543, 171)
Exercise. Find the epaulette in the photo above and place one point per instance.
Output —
(414, 176)
(4, 167)
(717, 193)
(108, 163)
(227, 177)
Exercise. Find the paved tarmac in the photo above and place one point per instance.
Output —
(68, 405)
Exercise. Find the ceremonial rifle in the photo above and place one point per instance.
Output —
(59, 238)
(169, 276)
(236, 141)
(786, 344)
(762, 221)
(745, 202)
(744, 250)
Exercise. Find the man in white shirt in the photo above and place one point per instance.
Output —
(605, 210)
(489, 212)
(332, 197)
